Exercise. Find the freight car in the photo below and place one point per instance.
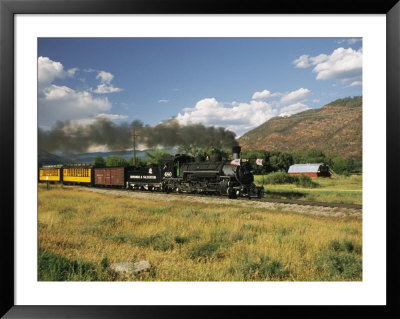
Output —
(109, 176)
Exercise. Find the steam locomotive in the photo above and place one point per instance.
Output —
(179, 173)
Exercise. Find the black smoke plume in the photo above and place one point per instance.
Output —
(68, 137)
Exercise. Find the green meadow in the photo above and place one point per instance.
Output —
(340, 189)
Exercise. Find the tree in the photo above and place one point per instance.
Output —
(309, 156)
(342, 165)
(191, 149)
(154, 156)
(115, 161)
(139, 162)
(99, 160)
(280, 161)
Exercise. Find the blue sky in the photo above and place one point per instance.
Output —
(236, 83)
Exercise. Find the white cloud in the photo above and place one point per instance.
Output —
(49, 70)
(105, 77)
(60, 102)
(71, 72)
(342, 64)
(111, 116)
(295, 96)
(319, 59)
(302, 62)
(105, 88)
(293, 109)
(97, 148)
(349, 41)
(356, 83)
(105, 85)
(263, 95)
(63, 103)
(315, 100)
(162, 101)
(239, 118)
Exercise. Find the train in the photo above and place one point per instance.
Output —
(180, 173)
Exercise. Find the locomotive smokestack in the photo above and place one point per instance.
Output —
(236, 152)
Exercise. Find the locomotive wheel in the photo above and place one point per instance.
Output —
(231, 193)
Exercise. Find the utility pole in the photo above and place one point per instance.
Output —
(134, 145)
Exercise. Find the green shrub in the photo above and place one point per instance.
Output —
(161, 241)
(285, 178)
(204, 250)
(142, 241)
(345, 246)
(162, 210)
(208, 249)
(282, 232)
(279, 178)
(108, 220)
(92, 229)
(190, 212)
(258, 268)
(181, 239)
(67, 210)
(105, 262)
(121, 238)
(304, 181)
(163, 244)
(237, 237)
(343, 264)
(52, 267)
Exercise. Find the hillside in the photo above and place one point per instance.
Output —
(46, 158)
(336, 128)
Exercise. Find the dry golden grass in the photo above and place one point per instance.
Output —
(196, 241)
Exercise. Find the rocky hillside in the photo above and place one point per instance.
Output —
(336, 128)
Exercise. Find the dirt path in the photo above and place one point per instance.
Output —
(302, 209)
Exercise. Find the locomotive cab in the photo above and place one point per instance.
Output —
(171, 166)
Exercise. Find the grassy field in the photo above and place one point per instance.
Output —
(81, 233)
(341, 189)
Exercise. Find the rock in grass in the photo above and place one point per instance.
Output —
(141, 266)
(127, 267)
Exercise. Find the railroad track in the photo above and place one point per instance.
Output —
(264, 199)
(310, 203)
(286, 201)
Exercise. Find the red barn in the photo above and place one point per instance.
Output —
(312, 170)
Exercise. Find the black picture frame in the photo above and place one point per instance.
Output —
(8, 8)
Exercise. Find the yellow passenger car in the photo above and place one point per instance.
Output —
(77, 174)
(51, 174)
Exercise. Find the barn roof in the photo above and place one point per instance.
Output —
(305, 168)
